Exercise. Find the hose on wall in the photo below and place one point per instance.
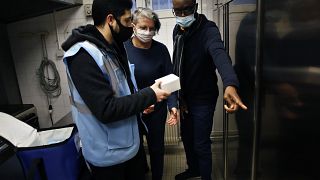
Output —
(50, 86)
(49, 77)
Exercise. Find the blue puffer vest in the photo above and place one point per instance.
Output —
(104, 144)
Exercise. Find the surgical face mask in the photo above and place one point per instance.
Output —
(185, 21)
(144, 35)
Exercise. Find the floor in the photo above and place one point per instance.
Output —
(175, 161)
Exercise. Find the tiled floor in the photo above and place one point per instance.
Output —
(175, 162)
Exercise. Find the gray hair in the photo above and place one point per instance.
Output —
(146, 13)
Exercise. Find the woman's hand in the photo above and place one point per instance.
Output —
(173, 117)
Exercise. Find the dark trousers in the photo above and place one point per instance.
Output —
(155, 139)
(196, 127)
(129, 170)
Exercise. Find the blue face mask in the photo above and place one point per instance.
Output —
(185, 21)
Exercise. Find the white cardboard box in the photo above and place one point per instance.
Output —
(169, 83)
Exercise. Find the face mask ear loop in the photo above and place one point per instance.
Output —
(134, 29)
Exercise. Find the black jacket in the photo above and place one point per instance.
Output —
(203, 53)
(93, 87)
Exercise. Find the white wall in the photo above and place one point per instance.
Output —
(27, 54)
(26, 49)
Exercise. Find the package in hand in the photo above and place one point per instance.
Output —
(170, 83)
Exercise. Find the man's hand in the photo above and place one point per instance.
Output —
(173, 117)
(161, 94)
(233, 100)
(148, 110)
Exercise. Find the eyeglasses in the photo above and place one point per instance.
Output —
(185, 11)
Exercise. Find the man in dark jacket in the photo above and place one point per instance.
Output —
(198, 52)
(104, 97)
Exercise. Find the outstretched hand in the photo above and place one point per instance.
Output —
(149, 109)
(233, 100)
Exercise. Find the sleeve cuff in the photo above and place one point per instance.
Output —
(148, 92)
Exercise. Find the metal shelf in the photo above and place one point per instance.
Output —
(16, 10)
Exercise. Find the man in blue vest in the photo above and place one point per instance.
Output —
(198, 52)
(106, 105)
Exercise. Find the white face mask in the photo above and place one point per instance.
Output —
(144, 35)
(185, 21)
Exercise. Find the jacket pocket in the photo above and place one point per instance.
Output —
(120, 134)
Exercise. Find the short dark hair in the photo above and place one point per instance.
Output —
(101, 9)
(193, 1)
